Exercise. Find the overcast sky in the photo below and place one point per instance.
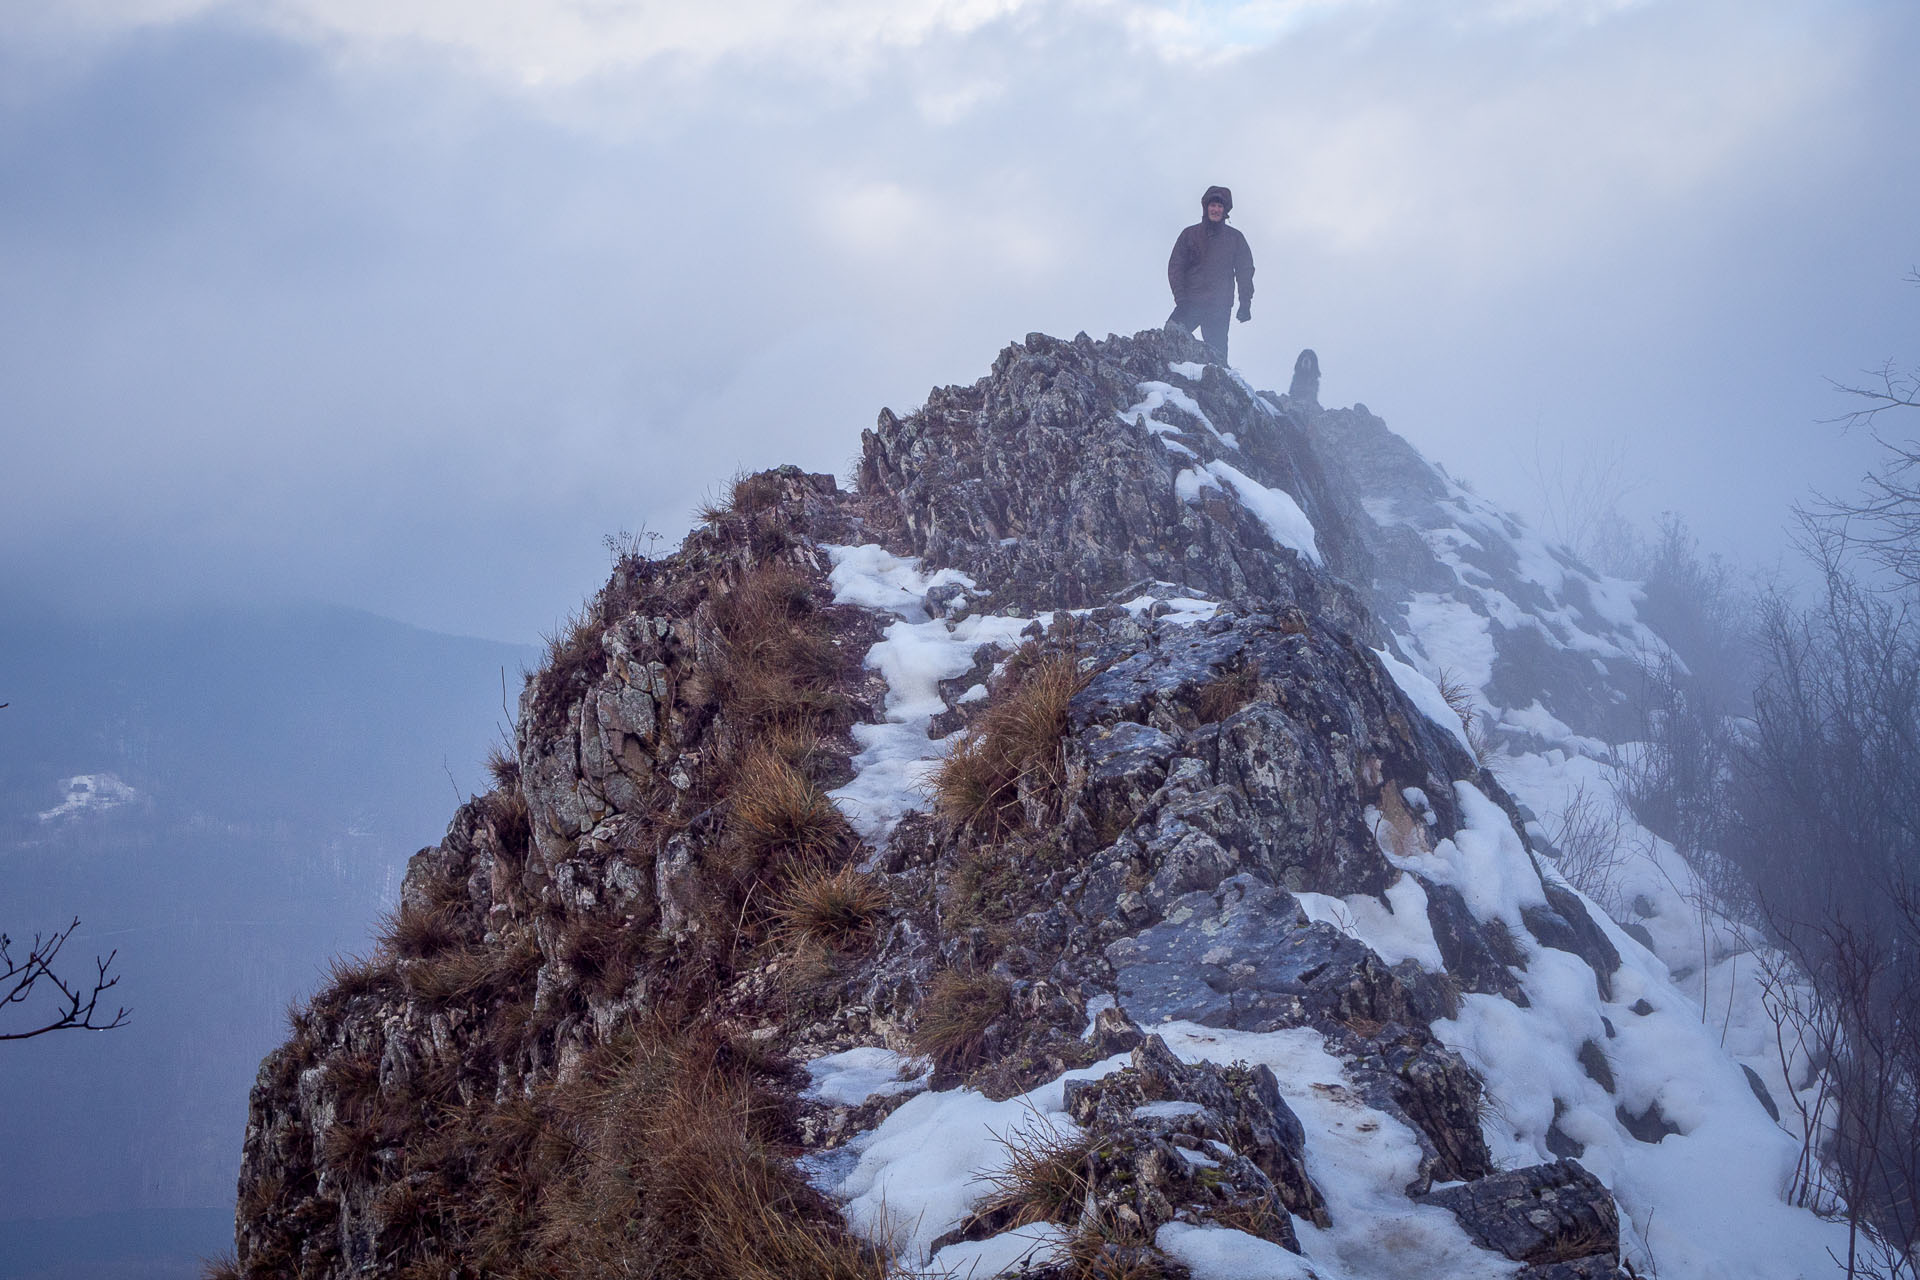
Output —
(405, 304)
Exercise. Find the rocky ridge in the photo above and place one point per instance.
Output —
(1081, 762)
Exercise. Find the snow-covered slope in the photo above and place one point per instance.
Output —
(1548, 649)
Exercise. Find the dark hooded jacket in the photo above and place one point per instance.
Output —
(1208, 258)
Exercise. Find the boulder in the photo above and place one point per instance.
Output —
(1545, 1214)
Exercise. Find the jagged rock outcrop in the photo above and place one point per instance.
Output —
(1024, 481)
(634, 947)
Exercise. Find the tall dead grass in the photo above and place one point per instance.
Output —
(1045, 1177)
(956, 1015)
(471, 973)
(838, 909)
(780, 661)
(776, 810)
(1220, 698)
(1459, 696)
(745, 495)
(1015, 750)
(677, 1174)
(415, 932)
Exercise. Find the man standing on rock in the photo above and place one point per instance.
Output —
(1207, 259)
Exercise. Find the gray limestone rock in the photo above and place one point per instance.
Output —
(1197, 1143)
(1761, 1093)
(1408, 507)
(1406, 1073)
(1283, 733)
(1593, 1061)
(1544, 1214)
(1125, 764)
(1244, 955)
(1565, 925)
(1038, 484)
(1469, 955)
(1649, 1125)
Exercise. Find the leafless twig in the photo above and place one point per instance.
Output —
(75, 1007)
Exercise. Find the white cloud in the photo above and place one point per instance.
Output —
(558, 43)
(1212, 30)
(912, 236)
(1525, 147)
(351, 307)
(953, 101)
(562, 42)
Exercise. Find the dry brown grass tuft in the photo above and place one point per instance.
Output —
(837, 908)
(350, 977)
(746, 495)
(408, 1214)
(300, 1023)
(510, 1031)
(795, 742)
(417, 932)
(224, 1267)
(955, 1016)
(976, 786)
(471, 973)
(1015, 748)
(775, 810)
(352, 1149)
(809, 978)
(678, 1175)
(603, 950)
(1046, 1178)
(574, 645)
(504, 767)
(1097, 1254)
(780, 660)
(434, 1264)
(1220, 698)
(1266, 1218)
(508, 825)
(355, 1078)
(983, 889)
(262, 1195)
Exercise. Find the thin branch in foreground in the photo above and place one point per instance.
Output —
(75, 1007)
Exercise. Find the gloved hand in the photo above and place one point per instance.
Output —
(1246, 312)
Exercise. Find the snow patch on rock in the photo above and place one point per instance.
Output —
(89, 793)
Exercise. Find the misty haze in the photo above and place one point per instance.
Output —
(639, 650)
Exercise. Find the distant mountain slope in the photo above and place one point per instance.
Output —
(256, 785)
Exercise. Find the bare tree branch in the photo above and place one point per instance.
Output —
(64, 1006)
(1887, 387)
(1883, 523)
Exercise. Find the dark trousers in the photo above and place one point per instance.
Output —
(1211, 321)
